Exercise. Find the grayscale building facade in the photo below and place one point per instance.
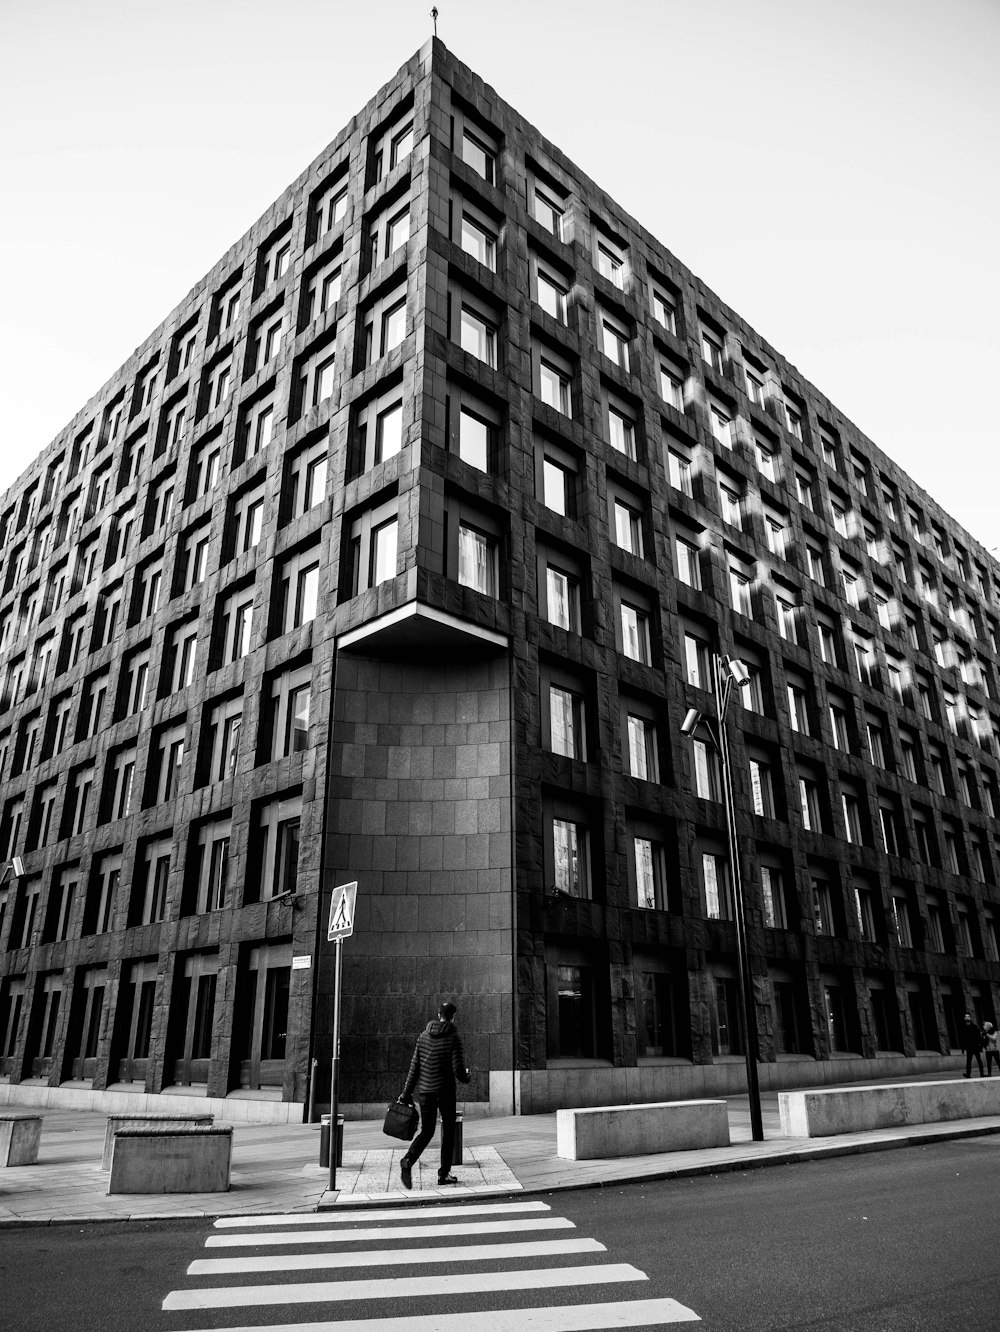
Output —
(397, 554)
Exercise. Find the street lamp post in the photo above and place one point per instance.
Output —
(728, 674)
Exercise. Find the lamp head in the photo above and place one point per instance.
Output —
(738, 673)
(691, 722)
(17, 865)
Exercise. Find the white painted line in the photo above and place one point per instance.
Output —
(456, 1253)
(378, 1214)
(372, 1233)
(560, 1318)
(406, 1288)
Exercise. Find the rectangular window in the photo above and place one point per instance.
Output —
(672, 383)
(773, 891)
(478, 241)
(688, 562)
(480, 156)
(718, 897)
(761, 789)
(477, 556)
(478, 337)
(570, 858)
(681, 472)
(547, 211)
(566, 721)
(562, 599)
(649, 874)
(635, 634)
(554, 388)
(621, 433)
(627, 528)
(641, 748)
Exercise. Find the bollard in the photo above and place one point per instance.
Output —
(324, 1140)
(457, 1154)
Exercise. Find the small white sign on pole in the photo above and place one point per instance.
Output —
(342, 912)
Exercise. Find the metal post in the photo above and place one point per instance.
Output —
(335, 1076)
(747, 1006)
(313, 1065)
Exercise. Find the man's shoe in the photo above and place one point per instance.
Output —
(447, 1179)
(405, 1175)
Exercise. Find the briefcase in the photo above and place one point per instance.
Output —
(401, 1121)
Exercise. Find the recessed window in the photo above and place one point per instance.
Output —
(611, 262)
(627, 527)
(635, 633)
(330, 208)
(323, 290)
(688, 558)
(664, 308)
(474, 439)
(554, 387)
(621, 432)
(478, 337)
(479, 241)
(642, 757)
(672, 378)
(713, 349)
(477, 560)
(615, 340)
(479, 155)
(548, 210)
(551, 295)
(650, 874)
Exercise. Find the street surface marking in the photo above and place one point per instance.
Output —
(450, 1283)
(381, 1214)
(562, 1318)
(368, 1233)
(460, 1253)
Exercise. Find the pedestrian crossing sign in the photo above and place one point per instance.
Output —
(342, 912)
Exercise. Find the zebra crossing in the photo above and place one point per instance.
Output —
(359, 1269)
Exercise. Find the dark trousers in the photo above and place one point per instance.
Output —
(969, 1056)
(990, 1056)
(430, 1104)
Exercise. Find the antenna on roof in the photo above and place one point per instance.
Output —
(434, 16)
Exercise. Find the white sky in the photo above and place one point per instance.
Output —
(829, 169)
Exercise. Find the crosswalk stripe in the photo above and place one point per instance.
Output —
(560, 1318)
(449, 1283)
(455, 1253)
(402, 1232)
(330, 1216)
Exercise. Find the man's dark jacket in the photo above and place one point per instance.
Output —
(438, 1060)
(970, 1038)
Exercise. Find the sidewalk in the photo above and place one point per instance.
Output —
(275, 1167)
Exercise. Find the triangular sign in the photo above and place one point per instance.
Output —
(342, 911)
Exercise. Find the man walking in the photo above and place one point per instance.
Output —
(438, 1061)
(971, 1039)
(992, 1048)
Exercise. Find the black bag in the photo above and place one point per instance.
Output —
(401, 1121)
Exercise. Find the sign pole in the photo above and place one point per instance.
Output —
(335, 1075)
(341, 925)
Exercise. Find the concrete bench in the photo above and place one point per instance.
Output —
(638, 1130)
(20, 1134)
(195, 1159)
(117, 1122)
(825, 1113)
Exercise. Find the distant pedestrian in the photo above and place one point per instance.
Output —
(991, 1046)
(971, 1040)
(438, 1062)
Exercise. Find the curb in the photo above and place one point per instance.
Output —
(794, 1156)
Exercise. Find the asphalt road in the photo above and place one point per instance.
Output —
(894, 1241)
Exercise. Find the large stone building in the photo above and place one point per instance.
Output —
(397, 554)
